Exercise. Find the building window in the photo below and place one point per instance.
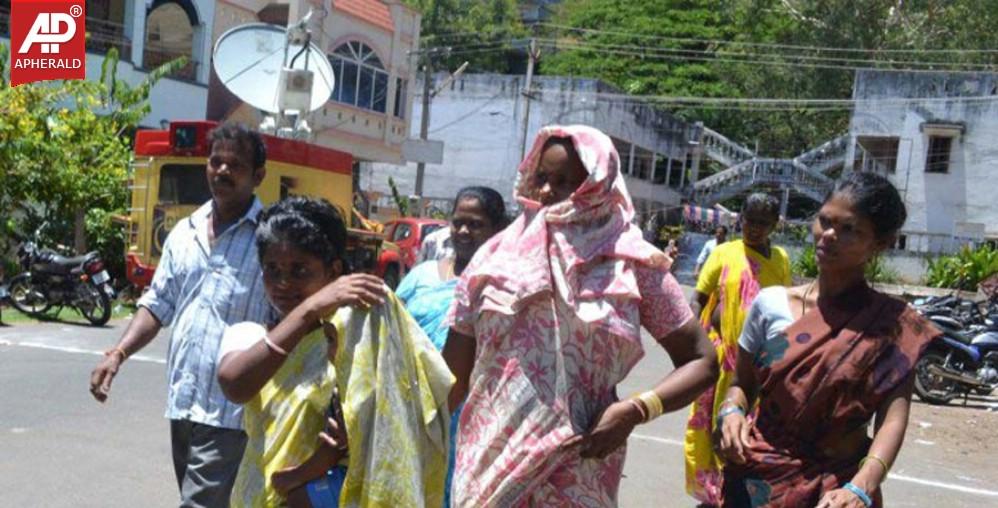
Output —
(401, 89)
(361, 79)
(624, 152)
(937, 158)
(661, 169)
(170, 34)
(675, 173)
(876, 154)
(183, 184)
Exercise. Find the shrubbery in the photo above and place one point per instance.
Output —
(963, 270)
(806, 265)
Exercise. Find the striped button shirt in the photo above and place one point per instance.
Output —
(200, 288)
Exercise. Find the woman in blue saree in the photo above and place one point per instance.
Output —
(428, 290)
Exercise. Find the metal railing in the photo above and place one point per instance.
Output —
(102, 34)
(827, 156)
(772, 172)
(804, 174)
(155, 55)
(723, 150)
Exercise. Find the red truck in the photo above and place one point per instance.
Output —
(408, 234)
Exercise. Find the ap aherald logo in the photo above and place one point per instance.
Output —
(47, 40)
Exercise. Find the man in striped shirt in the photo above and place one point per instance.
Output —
(208, 277)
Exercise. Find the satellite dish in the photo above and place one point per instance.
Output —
(258, 64)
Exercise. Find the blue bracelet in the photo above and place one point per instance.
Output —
(863, 496)
(727, 411)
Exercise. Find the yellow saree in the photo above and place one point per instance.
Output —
(393, 386)
(732, 277)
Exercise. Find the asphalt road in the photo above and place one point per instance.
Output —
(59, 448)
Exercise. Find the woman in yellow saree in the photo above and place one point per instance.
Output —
(344, 399)
(728, 282)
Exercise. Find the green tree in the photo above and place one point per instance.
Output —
(64, 153)
(756, 49)
(478, 31)
(619, 52)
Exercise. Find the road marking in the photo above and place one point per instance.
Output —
(70, 349)
(933, 483)
(663, 440)
(893, 476)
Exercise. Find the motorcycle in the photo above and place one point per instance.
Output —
(51, 280)
(4, 296)
(964, 358)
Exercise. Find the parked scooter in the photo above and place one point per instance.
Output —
(50, 280)
(964, 358)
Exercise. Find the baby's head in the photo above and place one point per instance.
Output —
(302, 243)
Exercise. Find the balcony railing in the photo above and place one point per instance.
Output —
(156, 55)
(102, 35)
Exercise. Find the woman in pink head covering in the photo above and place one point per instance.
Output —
(547, 320)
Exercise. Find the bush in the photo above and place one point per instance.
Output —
(963, 270)
(108, 238)
(806, 265)
(878, 271)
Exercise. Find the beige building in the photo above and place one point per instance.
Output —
(369, 44)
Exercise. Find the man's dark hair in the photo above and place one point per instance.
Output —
(724, 229)
(244, 136)
(762, 204)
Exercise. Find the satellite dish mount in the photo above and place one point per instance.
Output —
(276, 70)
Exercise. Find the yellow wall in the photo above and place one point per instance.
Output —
(334, 187)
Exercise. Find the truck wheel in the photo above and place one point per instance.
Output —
(392, 277)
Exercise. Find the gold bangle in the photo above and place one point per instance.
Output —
(652, 403)
(641, 409)
(117, 350)
(878, 459)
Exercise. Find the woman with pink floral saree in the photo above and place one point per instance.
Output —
(547, 320)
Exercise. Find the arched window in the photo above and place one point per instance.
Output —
(361, 79)
(170, 34)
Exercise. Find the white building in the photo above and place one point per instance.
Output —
(146, 35)
(369, 43)
(934, 135)
(479, 117)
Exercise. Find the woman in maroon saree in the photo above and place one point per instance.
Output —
(823, 361)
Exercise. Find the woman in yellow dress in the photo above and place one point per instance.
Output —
(345, 399)
(728, 282)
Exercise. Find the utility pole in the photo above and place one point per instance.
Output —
(424, 121)
(424, 127)
(533, 54)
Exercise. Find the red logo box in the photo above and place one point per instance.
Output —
(48, 40)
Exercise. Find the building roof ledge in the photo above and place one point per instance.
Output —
(943, 128)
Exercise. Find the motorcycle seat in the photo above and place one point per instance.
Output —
(53, 262)
(74, 261)
(959, 336)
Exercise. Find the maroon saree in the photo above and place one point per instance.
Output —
(820, 384)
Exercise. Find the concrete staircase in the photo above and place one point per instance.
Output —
(805, 174)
